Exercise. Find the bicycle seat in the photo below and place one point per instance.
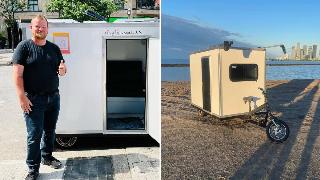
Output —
(248, 99)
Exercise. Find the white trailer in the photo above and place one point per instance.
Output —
(113, 81)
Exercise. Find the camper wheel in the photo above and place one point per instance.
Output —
(66, 142)
(277, 130)
(201, 113)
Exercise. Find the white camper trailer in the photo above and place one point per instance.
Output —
(228, 81)
(113, 81)
(221, 79)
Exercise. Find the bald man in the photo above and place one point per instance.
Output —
(36, 66)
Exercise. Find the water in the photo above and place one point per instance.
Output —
(293, 62)
(186, 61)
(293, 72)
(175, 74)
(273, 72)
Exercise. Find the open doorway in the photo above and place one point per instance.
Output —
(126, 84)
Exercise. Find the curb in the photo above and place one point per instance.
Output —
(4, 51)
(6, 63)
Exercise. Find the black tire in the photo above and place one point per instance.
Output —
(278, 131)
(67, 142)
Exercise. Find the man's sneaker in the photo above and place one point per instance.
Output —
(32, 176)
(51, 161)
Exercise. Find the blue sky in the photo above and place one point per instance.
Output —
(259, 22)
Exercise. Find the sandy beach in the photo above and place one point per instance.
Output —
(196, 147)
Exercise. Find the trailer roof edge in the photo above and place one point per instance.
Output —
(221, 47)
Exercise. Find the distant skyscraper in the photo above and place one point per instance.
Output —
(301, 54)
(305, 51)
(298, 52)
(293, 53)
(314, 51)
(310, 52)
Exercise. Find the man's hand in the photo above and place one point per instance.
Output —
(25, 104)
(62, 68)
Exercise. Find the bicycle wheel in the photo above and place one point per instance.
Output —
(277, 130)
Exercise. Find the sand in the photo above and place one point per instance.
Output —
(196, 147)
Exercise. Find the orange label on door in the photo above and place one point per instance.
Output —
(62, 39)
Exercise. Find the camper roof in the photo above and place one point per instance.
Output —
(221, 47)
(62, 21)
(96, 22)
(136, 20)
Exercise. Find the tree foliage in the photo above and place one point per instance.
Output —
(75, 9)
(9, 7)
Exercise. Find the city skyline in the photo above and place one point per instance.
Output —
(304, 52)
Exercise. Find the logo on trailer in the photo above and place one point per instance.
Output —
(120, 32)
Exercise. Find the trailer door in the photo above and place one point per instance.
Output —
(206, 83)
(154, 89)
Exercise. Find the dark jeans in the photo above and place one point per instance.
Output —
(41, 125)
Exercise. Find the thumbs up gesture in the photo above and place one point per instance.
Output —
(62, 70)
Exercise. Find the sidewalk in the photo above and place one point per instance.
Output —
(5, 57)
(119, 164)
(104, 162)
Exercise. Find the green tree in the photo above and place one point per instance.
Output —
(75, 9)
(9, 7)
(7, 10)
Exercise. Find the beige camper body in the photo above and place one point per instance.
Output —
(221, 79)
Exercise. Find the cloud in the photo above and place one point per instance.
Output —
(181, 36)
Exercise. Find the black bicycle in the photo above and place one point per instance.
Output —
(276, 129)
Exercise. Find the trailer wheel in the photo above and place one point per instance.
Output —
(201, 113)
(66, 142)
(277, 130)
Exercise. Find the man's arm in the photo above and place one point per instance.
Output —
(25, 103)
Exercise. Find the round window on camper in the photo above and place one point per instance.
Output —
(243, 72)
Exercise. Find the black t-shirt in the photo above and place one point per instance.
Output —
(40, 65)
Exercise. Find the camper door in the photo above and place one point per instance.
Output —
(154, 89)
(126, 85)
